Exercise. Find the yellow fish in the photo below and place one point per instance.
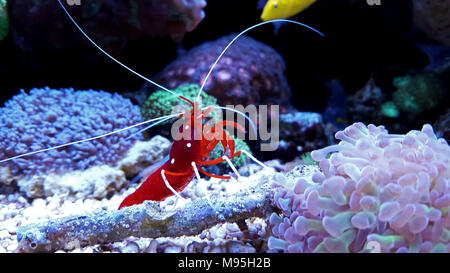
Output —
(282, 9)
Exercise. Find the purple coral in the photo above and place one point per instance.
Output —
(249, 72)
(377, 192)
(46, 118)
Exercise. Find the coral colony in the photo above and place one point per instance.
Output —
(242, 76)
(34, 22)
(47, 117)
(376, 188)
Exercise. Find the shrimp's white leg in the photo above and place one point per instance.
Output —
(227, 159)
(172, 189)
(197, 174)
(253, 158)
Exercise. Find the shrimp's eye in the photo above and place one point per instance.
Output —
(276, 5)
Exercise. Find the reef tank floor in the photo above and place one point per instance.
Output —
(170, 126)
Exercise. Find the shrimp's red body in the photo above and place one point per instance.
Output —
(196, 149)
(154, 187)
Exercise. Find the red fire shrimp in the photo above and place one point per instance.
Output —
(194, 142)
(186, 157)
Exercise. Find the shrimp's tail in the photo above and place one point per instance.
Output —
(149, 190)
(129, 201)
(155, 189)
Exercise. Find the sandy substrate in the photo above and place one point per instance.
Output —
(16, 211)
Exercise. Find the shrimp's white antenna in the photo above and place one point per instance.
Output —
(148, 127)
(164, 118)
(111, 57)
(244, 31)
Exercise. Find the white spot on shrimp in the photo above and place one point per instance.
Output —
(189, 145)
(187, 127)
(172, 161)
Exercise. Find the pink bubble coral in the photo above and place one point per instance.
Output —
(376, 192)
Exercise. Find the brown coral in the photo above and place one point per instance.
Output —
(110, 22)
(433, 17)
(250, 72)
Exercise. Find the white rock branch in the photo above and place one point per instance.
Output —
(145, 220)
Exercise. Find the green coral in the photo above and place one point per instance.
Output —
(308, 160)
(419, 93)
(91, 8)
(163, 103)
(134, 14)
(389, 110)
(4, 21)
